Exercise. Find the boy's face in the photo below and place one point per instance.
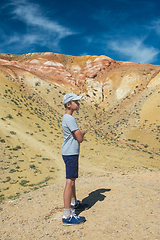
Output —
(74, 105)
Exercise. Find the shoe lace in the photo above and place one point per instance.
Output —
(74, 215)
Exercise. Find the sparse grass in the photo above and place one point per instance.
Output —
(24, 183)
(7, 179)
(14, 196)
(2, 198)
(33, 111)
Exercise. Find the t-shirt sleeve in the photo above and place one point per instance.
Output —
(72, 124)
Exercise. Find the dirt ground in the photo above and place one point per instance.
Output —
(121, 206)
(120, 183)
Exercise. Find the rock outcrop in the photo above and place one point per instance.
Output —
(125, 94)
(98, 77)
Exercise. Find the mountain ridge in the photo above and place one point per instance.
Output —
(117, 90)
(120, 112)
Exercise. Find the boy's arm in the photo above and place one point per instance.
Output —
(78, 134)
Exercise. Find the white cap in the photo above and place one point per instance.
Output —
(69, 97)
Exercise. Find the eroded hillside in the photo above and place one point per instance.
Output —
(126, 95)
(120, 107)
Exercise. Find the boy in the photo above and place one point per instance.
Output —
(73, 136)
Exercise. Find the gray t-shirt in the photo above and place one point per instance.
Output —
(70, 146)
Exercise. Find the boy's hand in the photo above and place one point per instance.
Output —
(78, 134)
(83, 132)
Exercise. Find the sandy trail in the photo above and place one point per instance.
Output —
(122, 206)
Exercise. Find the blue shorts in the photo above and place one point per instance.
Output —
(71, 162)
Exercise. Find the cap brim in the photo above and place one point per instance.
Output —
(77, 98)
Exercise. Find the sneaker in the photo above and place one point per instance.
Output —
(79, 206)
(73, 220)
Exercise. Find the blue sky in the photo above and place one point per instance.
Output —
(124, 30)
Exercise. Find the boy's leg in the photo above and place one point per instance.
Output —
(68, 191)
(73, 190)
(69, 218)
(73, 198)
(77, 205)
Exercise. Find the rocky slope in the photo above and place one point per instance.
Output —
(126, 95)
(120, 110)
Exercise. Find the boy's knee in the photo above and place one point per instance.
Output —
(70, 182)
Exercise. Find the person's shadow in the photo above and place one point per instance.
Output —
(93, 197)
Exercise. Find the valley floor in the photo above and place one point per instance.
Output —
(123, 205)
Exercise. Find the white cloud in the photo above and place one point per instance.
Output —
(38, 29)
(26, 43)
(156, 26)
(88, 39)
(84, 54)
(135, 50)
(32, 15)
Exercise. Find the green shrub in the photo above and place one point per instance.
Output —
(7, 179)
(23, 183)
